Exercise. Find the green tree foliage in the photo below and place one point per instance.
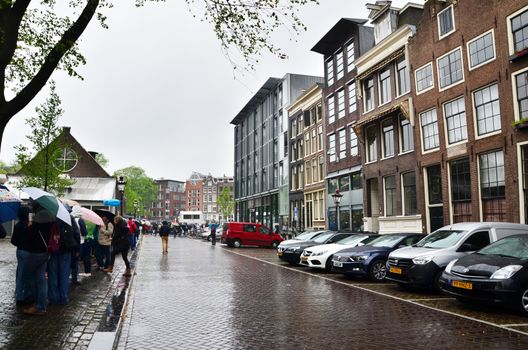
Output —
(11, 168)
(39, 37)
(39, 165)
(101, 160)
(226, 203)
(138, 187)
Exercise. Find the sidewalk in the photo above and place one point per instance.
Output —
(95, 305)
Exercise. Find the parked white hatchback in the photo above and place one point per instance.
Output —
(320, 256)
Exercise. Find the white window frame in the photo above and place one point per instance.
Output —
(444, 119)
(492, 31)
(356, 142)
(475, 120)
(330, 154)
(522, 204)
(350, 65)
(402, 191)
(339, 133)
(511, 47)
(330, 80)
(440, 88)
(364, 95)
(400, 133)
(349, 85)
(389, 98)
(416, 78)
(340, 74)
(334, 109)
(394, 214)
(424, 151)
(367, 160)
(383, 155)
(396, 77)
(341, 113)
(445, 35)
(516, 110)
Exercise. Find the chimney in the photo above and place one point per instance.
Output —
(66, 129)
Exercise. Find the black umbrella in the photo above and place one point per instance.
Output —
(107, 213)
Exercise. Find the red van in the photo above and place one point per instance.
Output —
(236, 234)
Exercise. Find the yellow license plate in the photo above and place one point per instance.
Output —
(280, 253)
(304, 258)
(463, 285)
(395, 270)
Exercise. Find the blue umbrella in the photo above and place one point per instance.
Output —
(9, 205)
(112, 202)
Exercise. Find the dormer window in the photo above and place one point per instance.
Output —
(446, 22)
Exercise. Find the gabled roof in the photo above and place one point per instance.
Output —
(86, 165)
(335, 36)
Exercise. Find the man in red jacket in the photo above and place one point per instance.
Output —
(132, 233)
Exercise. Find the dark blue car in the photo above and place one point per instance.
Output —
(370, 260)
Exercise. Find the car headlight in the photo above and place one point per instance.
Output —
(422, 260)
(359, 258)
(450, 265)
(321, 253)
(505, 272)
(294, 248)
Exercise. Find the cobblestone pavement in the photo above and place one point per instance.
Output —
(204, 297)
(63, 327)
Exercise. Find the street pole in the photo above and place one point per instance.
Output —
(337, 199)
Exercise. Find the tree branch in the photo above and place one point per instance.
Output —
(10, 29)
(52, 60)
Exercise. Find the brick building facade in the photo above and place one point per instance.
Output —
(170, 200)
(347, 40)
(469, 71)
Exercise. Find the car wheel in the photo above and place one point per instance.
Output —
(237, 243)
(523, 307)
(378, 270)
(274, 244)
(436, 281)
(209, 238)
(328, 265)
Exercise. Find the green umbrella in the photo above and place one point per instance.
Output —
(49, 202)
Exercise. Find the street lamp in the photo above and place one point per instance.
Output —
(121, 183)
(337, 199)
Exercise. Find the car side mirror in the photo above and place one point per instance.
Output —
(466, 247)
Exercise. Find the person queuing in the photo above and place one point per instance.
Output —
(164, 234)
(132, 233)
(19, 239)
(88, 246)
(120, 244)
(105, 240)
(76, 254)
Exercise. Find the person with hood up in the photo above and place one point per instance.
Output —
(105, 239)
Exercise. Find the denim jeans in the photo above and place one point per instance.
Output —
(22, 291)
(86, 255)
(74, 267)
(98, 249)
(59, 277)
(104, 252)
(132, 240)
(34, 273)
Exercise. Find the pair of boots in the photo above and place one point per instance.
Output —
(110, 269)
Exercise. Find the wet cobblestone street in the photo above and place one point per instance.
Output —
(204, 297)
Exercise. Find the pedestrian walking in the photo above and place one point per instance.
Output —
(105, 240)
(164, 234)
(213, 234)
(120, 244)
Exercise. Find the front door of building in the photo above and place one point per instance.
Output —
(434, 202)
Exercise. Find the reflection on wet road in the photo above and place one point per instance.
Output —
(204, 297)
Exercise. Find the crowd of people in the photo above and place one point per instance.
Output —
(50, 252)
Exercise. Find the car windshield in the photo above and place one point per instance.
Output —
(441, 239)
(386, 241)
(515, 247)
(304, 236)
(323, 237)
(352, 240)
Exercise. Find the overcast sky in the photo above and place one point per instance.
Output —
(158, 92)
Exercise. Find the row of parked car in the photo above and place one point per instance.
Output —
(473, 262)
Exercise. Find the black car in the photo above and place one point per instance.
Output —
(370, 260)
(292, 253)
(496, 274)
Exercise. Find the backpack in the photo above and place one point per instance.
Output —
(67, 238)
(54, 240)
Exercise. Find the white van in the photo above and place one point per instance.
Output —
(422, 264)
